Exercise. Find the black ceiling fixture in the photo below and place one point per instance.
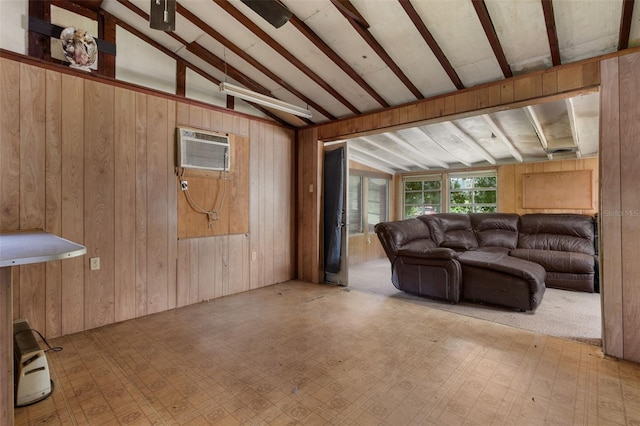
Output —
(273, 11)
(163, 15)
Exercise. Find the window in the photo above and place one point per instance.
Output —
(473, 193)
(355, 204)
(422, 195)
(372, 194)
(377, 201)
(468, 192)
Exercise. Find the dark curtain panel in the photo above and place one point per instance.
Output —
(333, 208)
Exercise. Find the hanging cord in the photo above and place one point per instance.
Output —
(54, 349)
(212, 215)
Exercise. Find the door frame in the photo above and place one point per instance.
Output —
(342, 277)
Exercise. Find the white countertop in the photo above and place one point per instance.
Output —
(34, 246)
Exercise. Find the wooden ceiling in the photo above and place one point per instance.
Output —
(342, 58)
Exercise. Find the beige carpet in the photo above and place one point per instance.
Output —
(567, 314)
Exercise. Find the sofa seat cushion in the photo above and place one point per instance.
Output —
(500, 279)
(490, 249)
(574, 282)
(558, 261)
(506, 264)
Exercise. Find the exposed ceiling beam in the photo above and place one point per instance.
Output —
(355, 148)
(552, 34)
(242, 54)
(373, 43)
(144, 37)
(349, 10)
(537, 126)
(471, 143)
(225, 68)
(431, 42)
(88, 4)
(625, 24)
(503, 138)
(169, 53)
(407, 146)
(490, 31)
(267, 39)
(571, 111)
(434, 142)
(359, 159)
(386, 149)
(344, 66)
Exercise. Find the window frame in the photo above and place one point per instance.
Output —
(472, 189)
(364, 176)
(386, 204)
(445, 187)
(350, 199)
(423, 205)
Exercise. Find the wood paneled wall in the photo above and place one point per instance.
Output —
(618, 171)
(308, 207)
(552, 84)
(93, 162)
(620, 204)
(510, 183)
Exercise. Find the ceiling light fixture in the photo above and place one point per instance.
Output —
(259, 98)
(273, 11)
(163, 15)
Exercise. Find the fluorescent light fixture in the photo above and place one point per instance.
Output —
(259, 98)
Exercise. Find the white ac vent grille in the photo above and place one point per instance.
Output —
(198, 149)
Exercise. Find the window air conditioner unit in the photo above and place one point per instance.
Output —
(199, 149)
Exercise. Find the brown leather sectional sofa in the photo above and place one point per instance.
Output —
(494, 258)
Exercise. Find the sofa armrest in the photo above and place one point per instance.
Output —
(558, 261)
(428, 253)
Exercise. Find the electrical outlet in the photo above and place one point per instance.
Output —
(254, 255)
(184, 185)
(94, 263)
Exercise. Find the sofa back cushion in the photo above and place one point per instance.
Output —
(562, 232)
(397, 235)
(495, 229)
(452, 230)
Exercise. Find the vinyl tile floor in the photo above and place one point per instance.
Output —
(298, 353)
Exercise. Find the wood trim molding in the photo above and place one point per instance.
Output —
(533, 88)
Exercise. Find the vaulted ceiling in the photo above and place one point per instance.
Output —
(341, 58)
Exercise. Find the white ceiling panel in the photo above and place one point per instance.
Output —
(399, 37)
(457, 30)
(587, 27)
(522, 33)
(201, 89)
(515, 124)
(300, 47)
(586, 110)
(634, 34)
(344, 40)
(478, 129)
